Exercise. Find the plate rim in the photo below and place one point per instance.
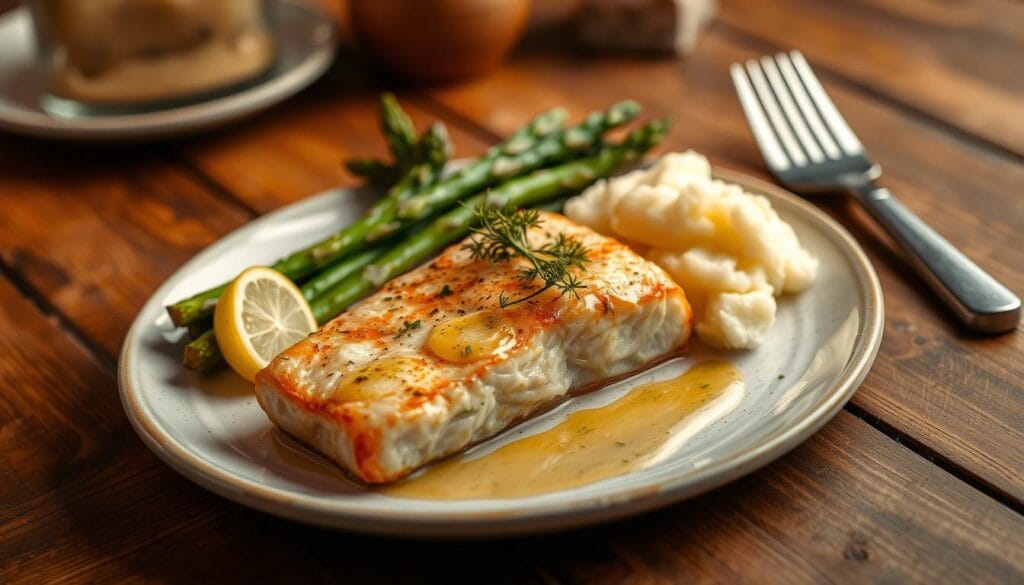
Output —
(184, 119)
(532, 518)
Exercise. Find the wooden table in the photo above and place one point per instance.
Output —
(920, 478)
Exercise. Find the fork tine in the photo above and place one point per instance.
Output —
(771, 107)
(796, 121)
(759, 126)
(804, 102)
(844, 135)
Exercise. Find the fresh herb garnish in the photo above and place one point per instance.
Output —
(407, 327)
(467, 350)
(502, 235)
(445, 291)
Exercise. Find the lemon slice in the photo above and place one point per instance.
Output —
(259, 315)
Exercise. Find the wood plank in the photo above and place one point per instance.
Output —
(69, 445)
(94, 505)
(956, 61)
(850, 505)
(295, 151)
(96, 231)
(961, 395)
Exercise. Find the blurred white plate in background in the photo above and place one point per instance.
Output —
(306, 45)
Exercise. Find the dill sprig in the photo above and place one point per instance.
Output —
(407, 327)
(501, 234)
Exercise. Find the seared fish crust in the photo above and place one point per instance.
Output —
(430, 364)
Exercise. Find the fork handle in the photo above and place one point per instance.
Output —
(978, 299)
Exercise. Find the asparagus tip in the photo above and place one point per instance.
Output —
(202, 353)
(174, 312)
(549, 121)
(623, 111)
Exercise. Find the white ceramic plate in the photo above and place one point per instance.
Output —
(211, 430)
(306, 44)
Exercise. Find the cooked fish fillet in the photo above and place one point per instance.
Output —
(431, 364)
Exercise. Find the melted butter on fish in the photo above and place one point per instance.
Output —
(473, 337)
(640, 429)
(377, 379)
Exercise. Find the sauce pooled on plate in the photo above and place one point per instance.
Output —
(638, 430)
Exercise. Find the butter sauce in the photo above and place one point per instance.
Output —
(377, 379)
(640, 429)
(472, 337)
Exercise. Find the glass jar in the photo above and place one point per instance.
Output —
(136, 52)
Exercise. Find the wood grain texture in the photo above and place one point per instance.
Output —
(83, 500)
(90, 233)
(296, 151)
(956, 61)
(961, 395)
(95, 232)
(849, 505)
(88, 502)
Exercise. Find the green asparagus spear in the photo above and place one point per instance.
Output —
(540, 186)
(382, 220)
(195, 308)
(323, 282)
(401, 138)
(434, 148)
(199, 327)
(556, 147)
(378, 222)
(398, 131)
(375, 172)
(202, 353)
(432, 155)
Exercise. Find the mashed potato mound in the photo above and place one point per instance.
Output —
(728, 249)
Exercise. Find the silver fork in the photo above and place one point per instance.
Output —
(810, 148)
